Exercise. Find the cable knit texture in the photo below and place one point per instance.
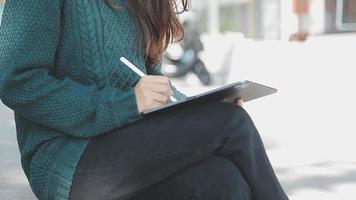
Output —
(60, 73)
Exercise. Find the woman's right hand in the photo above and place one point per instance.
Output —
(152, 92)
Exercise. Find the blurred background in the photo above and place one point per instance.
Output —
(304, 48)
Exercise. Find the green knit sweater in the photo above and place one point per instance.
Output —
(60, 73)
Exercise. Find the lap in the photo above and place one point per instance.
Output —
(134, 157)
(188, 130)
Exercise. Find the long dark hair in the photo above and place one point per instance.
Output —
(159, 25)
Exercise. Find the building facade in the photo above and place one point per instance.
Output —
(258, 19)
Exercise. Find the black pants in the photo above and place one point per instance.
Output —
(158, 156)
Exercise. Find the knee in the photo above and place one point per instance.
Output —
(238, 126)
(235, 116)
(230, 111)
(237, 112)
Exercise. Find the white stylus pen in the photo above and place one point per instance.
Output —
(138, 72)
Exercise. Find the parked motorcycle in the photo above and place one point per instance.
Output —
(189, 61)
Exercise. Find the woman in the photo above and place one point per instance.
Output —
(1, 8)
(77, 107)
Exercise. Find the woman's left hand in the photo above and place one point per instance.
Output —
(239, 102)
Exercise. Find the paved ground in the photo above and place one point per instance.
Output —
(308, 127)
(13, 184)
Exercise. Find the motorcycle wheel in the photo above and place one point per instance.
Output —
(200, 70)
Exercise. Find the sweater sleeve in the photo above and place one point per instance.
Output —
(29, 36)
(156, 70)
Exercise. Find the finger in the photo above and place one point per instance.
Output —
(240, 102)
(159, 97)
(159, 88)
(237, 101)
(157, 79)
(154, 104)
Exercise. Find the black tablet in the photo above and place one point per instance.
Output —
(246, 90)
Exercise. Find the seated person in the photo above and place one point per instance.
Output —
(77, 107)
